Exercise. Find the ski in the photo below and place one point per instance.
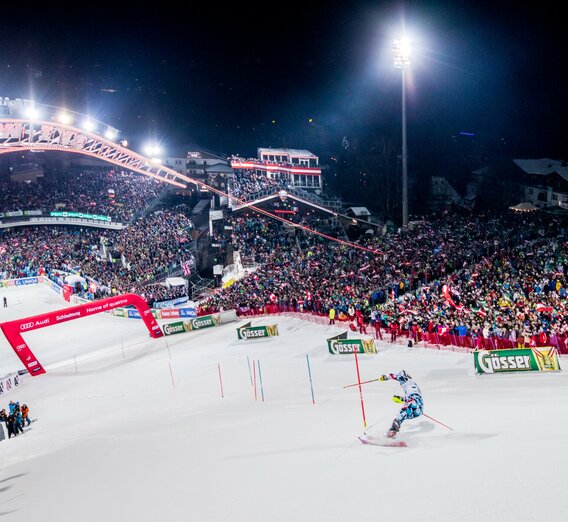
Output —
(385, 443)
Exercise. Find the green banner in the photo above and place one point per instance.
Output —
(256, 332)
(205, 321)
(520, 360)
(176, 328)
(340, 346)
(119, 312)
(81, 215)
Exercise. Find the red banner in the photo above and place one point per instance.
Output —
(67, 292)
(169, 313)
(13, 330)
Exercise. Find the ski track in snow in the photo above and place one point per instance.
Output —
(117, 441)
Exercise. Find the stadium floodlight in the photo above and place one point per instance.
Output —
(65, 118)
(401, 56)
(31, 112)
(156, 161)
(401, 53)
(111, 134)
(152, 150)
(89, 125)
(124, 143)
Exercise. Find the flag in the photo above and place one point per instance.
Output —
(186, 267)
(479, 311)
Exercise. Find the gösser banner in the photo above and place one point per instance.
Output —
(13, 330)
(255, 332)
(543, 359)
(204, 321)
(341, 346)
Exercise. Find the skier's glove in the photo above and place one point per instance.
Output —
(398, 399)
(384, 378)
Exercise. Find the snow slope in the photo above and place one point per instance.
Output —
(135, 429)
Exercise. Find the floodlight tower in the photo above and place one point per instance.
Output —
(401, 56)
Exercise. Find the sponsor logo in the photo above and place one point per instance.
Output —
(201, 323)
(32, 364)
(249, 334)
(170, 313)
(339, 347)
(26, 281)
(68, 316)
(20, 347)
(26, 326)
(170, 329)
(35, 370)
(492, 362)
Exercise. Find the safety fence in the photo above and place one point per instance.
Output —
(445, 340)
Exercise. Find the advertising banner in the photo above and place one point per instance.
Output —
(205, 321)
(67, 292)
(177, 327)
(255, 332)
(54, 286)
(119, 312)
(543, 359)
(26, 281)
(188, 312)
(171, 303)
(343, 346)
(80, 215)
(133, 314)
(170, 313)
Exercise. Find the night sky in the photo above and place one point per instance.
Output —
(235, 78)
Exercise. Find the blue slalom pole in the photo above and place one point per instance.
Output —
(310, 374)
(260, 379)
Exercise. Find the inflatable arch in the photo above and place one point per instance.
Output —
(13, 330)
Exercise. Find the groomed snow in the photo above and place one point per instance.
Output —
(116, 440)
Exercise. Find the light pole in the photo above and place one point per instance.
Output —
(401, 56)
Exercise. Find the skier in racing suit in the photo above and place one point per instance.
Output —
(412, 400)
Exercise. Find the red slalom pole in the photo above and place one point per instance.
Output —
(220, 380)
(360, 390)
(362, 382)
(441, 423)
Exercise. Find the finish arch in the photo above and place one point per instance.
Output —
(13, 330)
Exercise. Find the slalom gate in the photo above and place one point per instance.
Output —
(13, 330)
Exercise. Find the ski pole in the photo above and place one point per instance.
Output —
(362, 382)
(441, 423)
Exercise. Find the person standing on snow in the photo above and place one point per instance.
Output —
(412, 401)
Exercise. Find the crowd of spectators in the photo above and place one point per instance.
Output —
(130, 260)
(485, 275)
(246, 184)
(110, 193)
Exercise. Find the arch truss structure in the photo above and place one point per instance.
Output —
(18, 134)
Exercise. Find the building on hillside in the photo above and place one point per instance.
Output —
(192, 161)
(297, 168)
(544, 182)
